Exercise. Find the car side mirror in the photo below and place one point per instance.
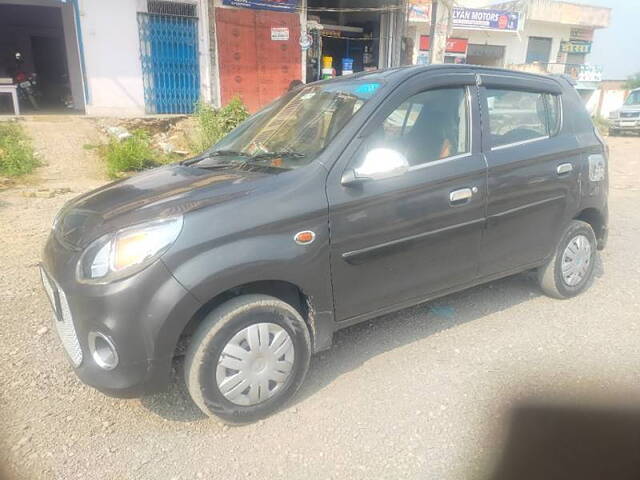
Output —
(378, 164)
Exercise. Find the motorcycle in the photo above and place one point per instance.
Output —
(26, 83)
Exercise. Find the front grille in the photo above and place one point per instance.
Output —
(63, 320)
(629, 114)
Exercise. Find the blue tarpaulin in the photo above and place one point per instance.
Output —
(280, 5)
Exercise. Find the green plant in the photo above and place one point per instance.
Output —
(130, 154)
(633, 82)
(213, 124)
(16, 153)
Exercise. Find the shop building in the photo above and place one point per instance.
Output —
(264, 45)
(116, 57)
(135, 57)
(540, 36)
(42, 36)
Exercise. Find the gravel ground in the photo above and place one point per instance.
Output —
(424, 393)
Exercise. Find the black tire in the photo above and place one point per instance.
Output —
(212, 336)
(550, 275)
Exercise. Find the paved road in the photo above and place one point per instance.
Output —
(425, 393)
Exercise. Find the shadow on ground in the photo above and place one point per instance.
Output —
(355, 345)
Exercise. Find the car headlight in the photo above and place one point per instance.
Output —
(127, 251)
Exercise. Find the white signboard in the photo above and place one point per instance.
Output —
(279, 33)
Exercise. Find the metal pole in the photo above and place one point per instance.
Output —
(432, 35)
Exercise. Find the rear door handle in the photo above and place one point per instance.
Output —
(461, 196)
(564, 168)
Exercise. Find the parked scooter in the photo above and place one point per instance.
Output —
(26, 83)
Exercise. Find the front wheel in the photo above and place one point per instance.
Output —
(570, 270)
(247, 358)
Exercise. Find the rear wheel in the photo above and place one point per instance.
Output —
(570, 270)
(247, 358)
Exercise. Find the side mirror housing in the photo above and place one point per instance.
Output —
(378, 164)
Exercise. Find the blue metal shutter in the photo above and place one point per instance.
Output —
(170, 68)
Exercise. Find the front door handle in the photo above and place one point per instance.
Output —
(564, 168)
(460, 196)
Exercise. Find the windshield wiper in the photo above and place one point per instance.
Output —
(270, 155)
(216, 153)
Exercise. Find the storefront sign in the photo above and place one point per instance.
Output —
(281, 5)
(280, 33)
(575, 46)
(485, 19)
(420, 11)
(585, 34)
(468, 18)
(590, 73)
(454, 45)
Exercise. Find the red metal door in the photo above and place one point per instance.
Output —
(278, 60)
(252, 65)
(236, 33)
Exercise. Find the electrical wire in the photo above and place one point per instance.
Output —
(381, 9)
(386, 8)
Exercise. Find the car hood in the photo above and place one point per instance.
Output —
(159, 193)
(629, 108)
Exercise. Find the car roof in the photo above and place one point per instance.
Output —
(402, 73)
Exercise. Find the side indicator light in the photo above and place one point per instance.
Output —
(305, 237)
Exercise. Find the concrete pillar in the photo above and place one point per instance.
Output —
(440, 29)
(72, 49)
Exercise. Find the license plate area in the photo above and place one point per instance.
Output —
(63, 320)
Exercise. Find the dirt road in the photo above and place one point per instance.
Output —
(425, 393)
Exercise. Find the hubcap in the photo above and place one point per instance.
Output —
(255, 364)
(576, 260)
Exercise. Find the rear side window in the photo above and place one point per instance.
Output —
(517, 116)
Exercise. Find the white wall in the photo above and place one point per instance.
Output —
(112, 57)
(515, 43)
(611, 100)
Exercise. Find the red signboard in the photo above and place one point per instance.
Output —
(454, 45)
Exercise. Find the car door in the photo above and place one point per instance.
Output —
(532, 160)
(396, 240)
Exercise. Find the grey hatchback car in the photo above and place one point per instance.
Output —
(341, 201)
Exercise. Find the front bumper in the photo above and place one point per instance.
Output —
(626, 124)
(143, 316)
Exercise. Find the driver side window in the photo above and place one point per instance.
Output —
(429, 126)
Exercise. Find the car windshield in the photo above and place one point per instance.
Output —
(633, 99)
(293, 130)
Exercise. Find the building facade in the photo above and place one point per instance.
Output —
(541, 36)
(135, 57)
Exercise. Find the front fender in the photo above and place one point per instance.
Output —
(214, 267)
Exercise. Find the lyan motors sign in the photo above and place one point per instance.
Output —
(468, 18)
(485, 19)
